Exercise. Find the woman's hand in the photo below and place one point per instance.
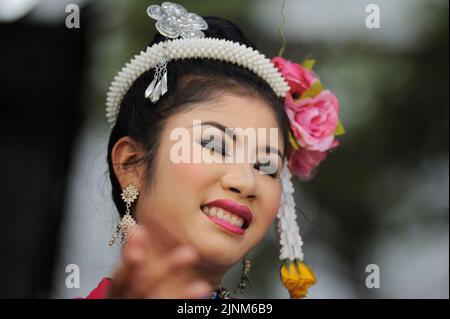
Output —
(143, 273)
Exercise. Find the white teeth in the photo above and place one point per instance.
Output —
(224, 215)
(239, 222)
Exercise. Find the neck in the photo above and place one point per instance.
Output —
(193, 274)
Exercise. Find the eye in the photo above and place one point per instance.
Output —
(267, 168)
(215, 147)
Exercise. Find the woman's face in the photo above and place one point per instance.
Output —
(174, 209)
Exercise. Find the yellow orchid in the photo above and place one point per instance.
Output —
(297, 278)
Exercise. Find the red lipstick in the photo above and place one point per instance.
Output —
(235, 208)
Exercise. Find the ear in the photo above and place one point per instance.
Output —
(125, 157)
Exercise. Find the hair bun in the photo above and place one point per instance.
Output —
(219, 28)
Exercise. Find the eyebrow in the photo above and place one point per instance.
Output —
(219, 126)
(267, 148)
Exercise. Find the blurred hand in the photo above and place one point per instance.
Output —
(142, 273)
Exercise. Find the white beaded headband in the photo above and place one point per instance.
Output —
(198, 48)
(173, 22)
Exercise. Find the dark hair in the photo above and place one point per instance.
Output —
(190, 81)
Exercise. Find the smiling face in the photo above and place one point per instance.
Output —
(182, 205)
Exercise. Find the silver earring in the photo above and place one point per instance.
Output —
(245, 276)
(126, 225)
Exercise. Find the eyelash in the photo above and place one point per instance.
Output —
(206, 144)
(257, 165)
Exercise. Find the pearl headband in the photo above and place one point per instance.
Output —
(174, 21)
(203, 48)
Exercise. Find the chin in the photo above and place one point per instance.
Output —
(219, 252)
(216, 245)
(220, 258)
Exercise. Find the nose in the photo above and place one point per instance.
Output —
(240, 179)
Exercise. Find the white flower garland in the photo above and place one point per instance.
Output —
(288, 230)
(218, 49)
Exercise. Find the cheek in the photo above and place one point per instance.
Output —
(271, 195)
(183, 183)
(181, 187)
(192, 173)
(195, 179)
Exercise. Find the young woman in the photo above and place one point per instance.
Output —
(185, 223)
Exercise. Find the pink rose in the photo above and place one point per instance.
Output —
(303, 163)
(314, 120)
(298, 78)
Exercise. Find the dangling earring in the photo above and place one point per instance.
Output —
(129, 195)
(245, 277)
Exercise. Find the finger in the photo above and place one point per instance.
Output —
(181, 256)
(134, 251)
(195, 290)
(120, 282)
(133, 257)
(159, 271)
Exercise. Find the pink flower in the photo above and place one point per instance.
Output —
(303, 163)
(298, 78)
(314, 120)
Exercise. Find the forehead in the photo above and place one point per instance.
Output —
(230, 110)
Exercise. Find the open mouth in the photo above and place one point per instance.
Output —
(233, 220)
